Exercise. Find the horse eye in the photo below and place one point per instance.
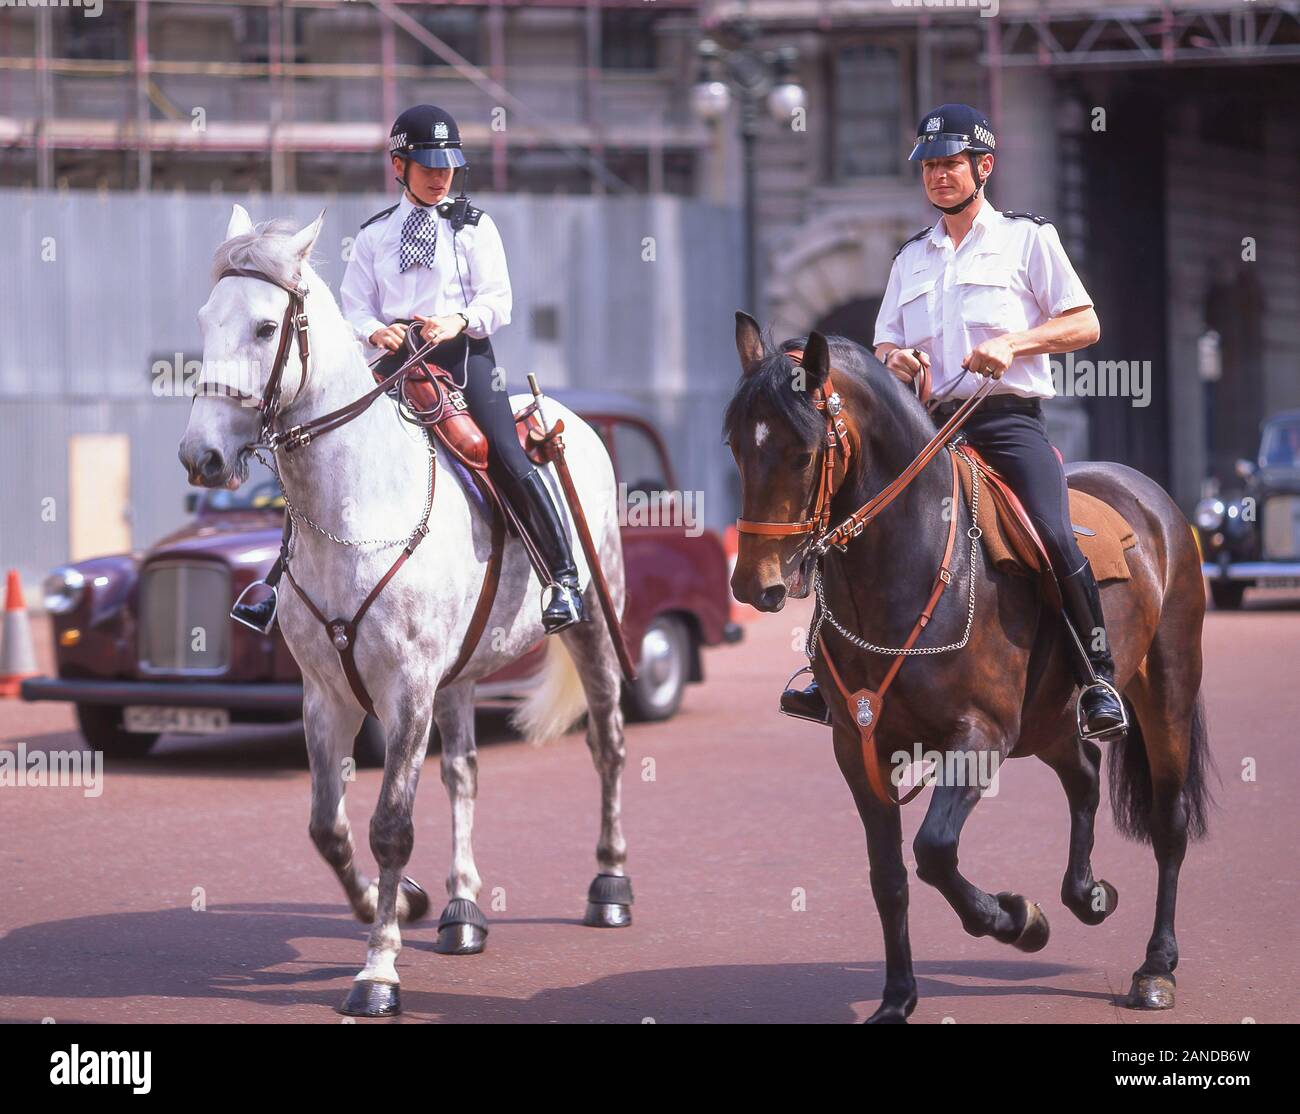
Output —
(266, 330)
(803, 460)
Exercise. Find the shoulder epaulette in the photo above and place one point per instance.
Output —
(378, 216)
(911, 240)
(1026, 216)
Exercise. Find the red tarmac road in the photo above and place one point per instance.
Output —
(730, 810)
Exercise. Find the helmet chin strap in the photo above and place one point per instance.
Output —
(953, 210)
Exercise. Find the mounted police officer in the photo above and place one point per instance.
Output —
(993, 294)
(436, 268)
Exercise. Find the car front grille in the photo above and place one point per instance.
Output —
(1281, 533)
(184, 618)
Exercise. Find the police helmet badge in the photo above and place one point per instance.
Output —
(934, 123)
(440, 130)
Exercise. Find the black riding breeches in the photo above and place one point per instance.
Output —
(485, 391)
(1015, 443)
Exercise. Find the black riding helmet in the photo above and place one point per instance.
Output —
(949, 130)
(428, 135)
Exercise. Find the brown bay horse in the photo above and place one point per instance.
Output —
(1008, 690)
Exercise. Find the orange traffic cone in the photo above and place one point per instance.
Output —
(17, 658)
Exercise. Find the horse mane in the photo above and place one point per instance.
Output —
(896, 413)
(263, 249)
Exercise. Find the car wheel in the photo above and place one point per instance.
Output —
(101, 727)
(369, 747)
(661, 675)
(1227, 594)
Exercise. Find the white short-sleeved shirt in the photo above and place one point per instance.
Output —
(1008, 274)
(376, 292)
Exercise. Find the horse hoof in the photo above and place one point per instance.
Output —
(369, 998)
(1151, 992)
(417, 900)
(609, 901)
(462, 929)
(1085, 908)
(1109, 901)
(607, 915)
(1034, 935)
(890, 1014)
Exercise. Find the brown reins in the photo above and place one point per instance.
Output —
(865, 705)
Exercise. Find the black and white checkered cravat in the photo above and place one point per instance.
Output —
(419, 239)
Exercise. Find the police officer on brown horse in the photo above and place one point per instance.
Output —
(987, 293)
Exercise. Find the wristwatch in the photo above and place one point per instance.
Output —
(463, 318)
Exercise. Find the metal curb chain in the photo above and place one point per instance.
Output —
(302, 517)
(824, 612)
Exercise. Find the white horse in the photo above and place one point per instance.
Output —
(368, 481)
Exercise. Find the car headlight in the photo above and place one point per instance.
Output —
(1209, 514)
(63, 590)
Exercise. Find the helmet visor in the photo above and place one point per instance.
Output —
(433, 157)
(938, 145)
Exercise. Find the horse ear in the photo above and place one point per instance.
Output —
(749, 342)
(816, 360)
(302, 242)
(240, 222)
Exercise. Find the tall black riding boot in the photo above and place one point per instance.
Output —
(1101, 712)
(532, 502)
(261, 615)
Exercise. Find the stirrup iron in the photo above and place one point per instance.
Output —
(275, 599)
(1103, 734)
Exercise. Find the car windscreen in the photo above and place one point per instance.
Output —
(1280, 445)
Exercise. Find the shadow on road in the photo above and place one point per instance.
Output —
(249, 953)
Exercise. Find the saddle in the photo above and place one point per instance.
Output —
(1013, 544)
(433, 399)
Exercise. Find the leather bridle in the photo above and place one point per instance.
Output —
(836, 452)
(295, 324)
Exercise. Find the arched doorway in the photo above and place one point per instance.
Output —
(854, 319)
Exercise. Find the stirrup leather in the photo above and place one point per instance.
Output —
(1104, 733)
(275, 599)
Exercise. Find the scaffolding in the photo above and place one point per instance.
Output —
(158, 125)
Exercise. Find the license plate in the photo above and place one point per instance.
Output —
(1278, 582)
(193, 721)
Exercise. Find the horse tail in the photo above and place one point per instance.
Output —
(553, 706)
(1131, 792)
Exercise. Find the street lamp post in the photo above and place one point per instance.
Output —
(761, 79)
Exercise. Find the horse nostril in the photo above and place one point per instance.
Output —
(210, 464)
(770, 599)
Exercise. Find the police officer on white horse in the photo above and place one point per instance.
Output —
(989, 293)
(436, 268)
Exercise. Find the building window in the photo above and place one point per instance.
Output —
(106, 37)
(628, 40)
(460, 28)
(866, 137)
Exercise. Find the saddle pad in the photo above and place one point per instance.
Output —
(1012, 551)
